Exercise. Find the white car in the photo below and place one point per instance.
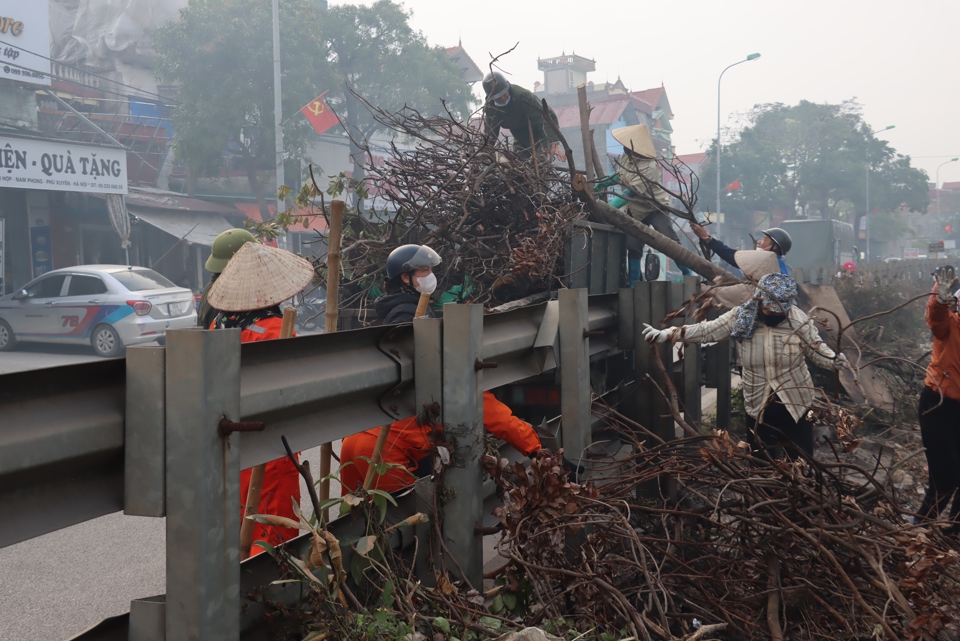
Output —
(106, 306)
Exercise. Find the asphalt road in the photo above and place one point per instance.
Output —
(39, 356)
(56, 586)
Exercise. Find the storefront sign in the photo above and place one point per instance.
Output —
(24, 33)
(56, 166)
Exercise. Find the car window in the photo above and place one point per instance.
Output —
(86, 286)
(48, 287)
(138, 280)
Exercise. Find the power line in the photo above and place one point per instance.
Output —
(96, 88)
(77, 69)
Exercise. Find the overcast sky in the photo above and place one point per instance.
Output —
(898, 59)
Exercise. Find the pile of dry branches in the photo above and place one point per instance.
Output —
(498, 219)
(756, 549)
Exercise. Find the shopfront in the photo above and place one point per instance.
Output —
(39, 176)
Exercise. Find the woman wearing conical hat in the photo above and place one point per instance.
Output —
(645, 198)
(248, 294)
(251, 287)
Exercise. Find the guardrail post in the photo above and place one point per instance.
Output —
(462, 407)
(661, 422)
(203, 486)
(428, 378)
(691, 361)
(575, 389)
(144, 493)
(724, 383)
(643, 412)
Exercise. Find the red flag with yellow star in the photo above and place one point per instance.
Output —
(320, 115)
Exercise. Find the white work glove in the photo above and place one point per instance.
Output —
(945, 281)
(842, 362)
(654, 335)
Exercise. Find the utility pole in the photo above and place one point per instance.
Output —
(278, 108)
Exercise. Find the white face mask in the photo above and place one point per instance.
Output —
(427, 284)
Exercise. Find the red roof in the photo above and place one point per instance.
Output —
(692, 160)
(607, 110)
(252, 211)
(951, 186)
(653, 97)
(604, 113)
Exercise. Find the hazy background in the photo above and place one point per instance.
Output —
(899, 60)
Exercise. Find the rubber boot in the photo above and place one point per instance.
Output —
(635, 269)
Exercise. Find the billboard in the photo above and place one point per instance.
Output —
(25, 41)
(62, 166)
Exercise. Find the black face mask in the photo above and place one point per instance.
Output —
(771, 320)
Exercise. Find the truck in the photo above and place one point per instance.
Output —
(819, 243)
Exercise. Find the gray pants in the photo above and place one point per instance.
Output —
(659, 221)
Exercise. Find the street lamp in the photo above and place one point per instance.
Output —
(866, 214)
(936, 186)
(752, 56)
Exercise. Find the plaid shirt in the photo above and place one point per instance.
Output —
(772, 358)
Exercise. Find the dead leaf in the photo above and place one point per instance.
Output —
(366, 545)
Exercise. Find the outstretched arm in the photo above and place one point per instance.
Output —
(499, 420)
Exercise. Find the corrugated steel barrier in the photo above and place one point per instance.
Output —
(70, 433)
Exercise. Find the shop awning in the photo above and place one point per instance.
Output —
(316, 222)
(191, 226)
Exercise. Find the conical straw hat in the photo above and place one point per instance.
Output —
(637, 139)
(259, 276)
(757, 263)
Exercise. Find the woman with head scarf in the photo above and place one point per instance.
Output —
(772, 336)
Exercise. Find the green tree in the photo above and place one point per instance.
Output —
(220, 54)
(811, 160)
(374, 51)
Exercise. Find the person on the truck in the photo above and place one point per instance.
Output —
(644, 198)
(774, 239)
(247, 296)
(522, 112)
(772, 336)
(939, 402)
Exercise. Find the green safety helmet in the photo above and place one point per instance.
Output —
(225, 246)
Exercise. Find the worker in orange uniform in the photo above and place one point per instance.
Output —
(409, 443)
(248, 294)
(409, 268)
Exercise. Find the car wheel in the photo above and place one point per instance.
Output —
(162, 341)
(8, 339)
(106, 342)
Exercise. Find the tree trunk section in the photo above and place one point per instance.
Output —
(251, 165)
(356, 138)
(606, 214)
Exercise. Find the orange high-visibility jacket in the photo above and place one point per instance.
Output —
(943, 372)
(281, 481)
(408, 443)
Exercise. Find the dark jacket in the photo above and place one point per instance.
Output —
(524, 107)
(398, 307)
(725, 253)
(206, 314)
(728, 255)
